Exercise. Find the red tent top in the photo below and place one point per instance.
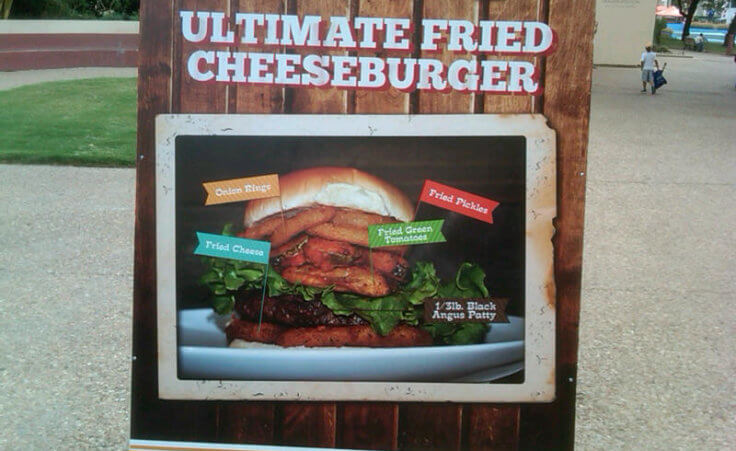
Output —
(671, 11)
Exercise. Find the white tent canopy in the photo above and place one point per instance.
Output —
(668, 11)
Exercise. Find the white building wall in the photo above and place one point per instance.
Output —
(623, 28)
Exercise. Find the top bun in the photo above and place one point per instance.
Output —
(335, 187)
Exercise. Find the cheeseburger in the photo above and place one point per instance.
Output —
(324, 285)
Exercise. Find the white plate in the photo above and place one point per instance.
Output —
(204, 354)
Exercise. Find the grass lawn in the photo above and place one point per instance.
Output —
(676, 44)
(88, 122)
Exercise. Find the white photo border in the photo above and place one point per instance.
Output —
(541, 198)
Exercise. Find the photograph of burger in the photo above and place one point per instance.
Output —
(332, 308)
(325, 287)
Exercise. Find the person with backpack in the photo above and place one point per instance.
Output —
(648, 63)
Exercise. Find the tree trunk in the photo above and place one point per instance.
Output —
(689, 18)
(728, 39)
(6, 4)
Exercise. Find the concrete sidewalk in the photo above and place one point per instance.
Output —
(659, 287)
(10, 80)
(66, 283)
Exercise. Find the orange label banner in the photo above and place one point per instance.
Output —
(236, 190)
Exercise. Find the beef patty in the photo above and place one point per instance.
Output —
(290, 310)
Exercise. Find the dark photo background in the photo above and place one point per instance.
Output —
(492, 167)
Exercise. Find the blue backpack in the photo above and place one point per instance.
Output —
(659, 79)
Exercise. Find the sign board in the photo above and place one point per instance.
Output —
(335, 206)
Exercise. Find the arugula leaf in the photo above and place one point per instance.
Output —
(232, 281)
(228, 229)
(223, 275)
(223, 304)
(469, 283)
(424, 283)
(456, 333)
(382, 313)
(385, 312)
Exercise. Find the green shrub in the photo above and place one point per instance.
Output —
(659, 26)
(41, 8)
(75, 9)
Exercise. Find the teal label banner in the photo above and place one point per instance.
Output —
(405, 233)
(232, 247)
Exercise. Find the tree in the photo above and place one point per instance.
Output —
(687, 8)
(728, 40)
(717, 6)
(5, 8)
(70, 9)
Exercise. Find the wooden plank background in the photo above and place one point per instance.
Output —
(163, 88)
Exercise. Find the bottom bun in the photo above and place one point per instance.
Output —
(326, 336)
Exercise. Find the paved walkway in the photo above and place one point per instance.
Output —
(659, 287)
(66, 278)
(657, 327)
(9, 80)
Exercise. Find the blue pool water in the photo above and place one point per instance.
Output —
(710, 34)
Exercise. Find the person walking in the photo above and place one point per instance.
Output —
(648, 63)
(699, 42)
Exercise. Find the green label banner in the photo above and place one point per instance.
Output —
(405, 233)
(233, 247)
